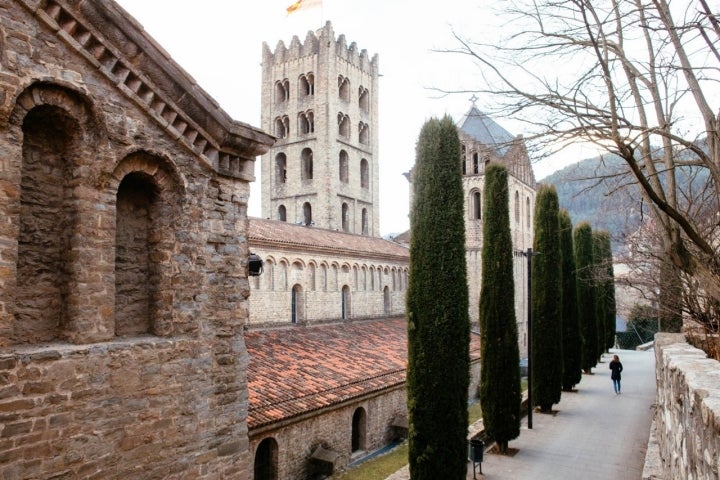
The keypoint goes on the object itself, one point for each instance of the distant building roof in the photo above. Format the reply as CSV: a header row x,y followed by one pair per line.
x,y
288,235
300,369
483,129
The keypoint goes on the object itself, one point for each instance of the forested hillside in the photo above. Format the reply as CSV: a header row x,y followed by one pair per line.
x,y
599,191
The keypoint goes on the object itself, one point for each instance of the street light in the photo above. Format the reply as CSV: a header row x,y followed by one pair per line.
x,y
528,255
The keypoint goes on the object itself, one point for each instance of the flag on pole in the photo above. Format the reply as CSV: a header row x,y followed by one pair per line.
x,y
304,5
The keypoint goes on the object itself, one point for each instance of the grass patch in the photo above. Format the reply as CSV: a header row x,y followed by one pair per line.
x,y
474,412
378,468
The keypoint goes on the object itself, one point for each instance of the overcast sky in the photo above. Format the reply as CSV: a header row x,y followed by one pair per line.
x,y
220,45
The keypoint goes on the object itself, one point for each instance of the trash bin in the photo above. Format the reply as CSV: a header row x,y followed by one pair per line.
x,y
477,447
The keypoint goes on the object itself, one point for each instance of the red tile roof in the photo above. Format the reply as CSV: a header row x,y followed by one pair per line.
x,y
300,369
288,235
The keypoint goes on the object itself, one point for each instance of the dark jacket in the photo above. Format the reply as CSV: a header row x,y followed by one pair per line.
x,y
616,368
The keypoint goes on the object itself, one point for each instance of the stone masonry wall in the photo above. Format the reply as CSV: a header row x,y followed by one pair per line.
x,y
113,410
688,413
321,287
333,430
123,255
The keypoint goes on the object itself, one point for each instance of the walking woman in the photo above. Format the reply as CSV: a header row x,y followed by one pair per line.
x,y
616,368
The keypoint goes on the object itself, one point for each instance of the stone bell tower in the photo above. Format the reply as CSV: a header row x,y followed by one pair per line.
x,y
320,100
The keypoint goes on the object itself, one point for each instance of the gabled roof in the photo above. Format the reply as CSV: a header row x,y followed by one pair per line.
x,y
484,130
277,234
300,369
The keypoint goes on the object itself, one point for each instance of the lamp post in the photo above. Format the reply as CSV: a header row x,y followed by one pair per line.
x,y
529,255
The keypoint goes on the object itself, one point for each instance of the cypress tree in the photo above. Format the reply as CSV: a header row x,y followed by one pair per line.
x,y
500,369
599,292
607,277
582,238
546,303
571,338
437,308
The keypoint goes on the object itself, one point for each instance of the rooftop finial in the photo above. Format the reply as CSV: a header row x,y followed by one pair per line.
x,y
473,99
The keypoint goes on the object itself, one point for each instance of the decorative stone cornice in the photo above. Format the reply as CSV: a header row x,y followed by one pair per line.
x,y
143,71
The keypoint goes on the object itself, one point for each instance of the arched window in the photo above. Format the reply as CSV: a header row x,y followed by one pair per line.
x,y
282,91
303,127
345,302
343,125
364,99
282,283
307,213
517,207
345,217
363,133
310,121
386,300
365,228
266,460
282,213
334,278
364,174
282,126
358,430
372,278
307,84
311,277
344,88
136,206
269,273
306,160
476,206
476,163
344,167
527,212
280,168
306,122
296,307
324,277
463,154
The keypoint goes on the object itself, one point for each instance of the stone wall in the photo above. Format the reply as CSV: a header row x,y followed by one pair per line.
x,y
376,288
123,254
688,410
333,430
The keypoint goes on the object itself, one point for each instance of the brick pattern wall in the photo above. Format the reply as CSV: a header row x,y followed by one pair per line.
x,y
688,413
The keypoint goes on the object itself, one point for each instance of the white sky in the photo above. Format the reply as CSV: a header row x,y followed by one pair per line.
x,y
220,45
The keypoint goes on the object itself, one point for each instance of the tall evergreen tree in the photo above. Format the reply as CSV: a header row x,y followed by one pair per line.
x,y
546,303
500,369
571,337
607,277
599,290
438,324
582,239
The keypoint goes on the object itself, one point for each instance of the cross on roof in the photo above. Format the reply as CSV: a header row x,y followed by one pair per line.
x,y
473,99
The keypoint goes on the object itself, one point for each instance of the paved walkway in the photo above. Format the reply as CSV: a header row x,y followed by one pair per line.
x,y
595,434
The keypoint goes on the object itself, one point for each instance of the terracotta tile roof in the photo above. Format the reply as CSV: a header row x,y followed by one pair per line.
x,y
300,369
288,235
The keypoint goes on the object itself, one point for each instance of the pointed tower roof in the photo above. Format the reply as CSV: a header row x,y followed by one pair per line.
x,y
484,130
